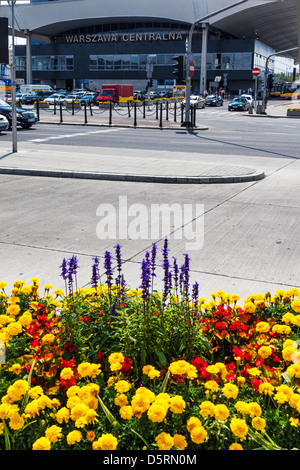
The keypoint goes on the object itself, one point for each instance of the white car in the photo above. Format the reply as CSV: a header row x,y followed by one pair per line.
x,y
248,98
55,98
196,100
4,124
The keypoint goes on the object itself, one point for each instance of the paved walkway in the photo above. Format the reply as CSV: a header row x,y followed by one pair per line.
x,y
63,162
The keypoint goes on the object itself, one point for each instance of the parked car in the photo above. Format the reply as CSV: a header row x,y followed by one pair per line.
x,y
5,96
4,124
239,104
19,97
32,98
214,100
55,98
196,100
89,98
69,98
25,118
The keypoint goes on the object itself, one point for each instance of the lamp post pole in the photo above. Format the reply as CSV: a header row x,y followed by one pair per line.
x,y
189,55
13,80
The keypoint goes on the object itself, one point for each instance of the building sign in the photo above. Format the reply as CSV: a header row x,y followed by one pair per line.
x,y
124,37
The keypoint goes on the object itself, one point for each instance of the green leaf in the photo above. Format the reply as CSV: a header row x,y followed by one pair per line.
x,y
162,358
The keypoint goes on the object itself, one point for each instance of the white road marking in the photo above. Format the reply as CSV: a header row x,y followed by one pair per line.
x,y
66,136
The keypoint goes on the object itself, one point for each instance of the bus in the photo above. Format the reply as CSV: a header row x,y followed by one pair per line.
x,y
291,91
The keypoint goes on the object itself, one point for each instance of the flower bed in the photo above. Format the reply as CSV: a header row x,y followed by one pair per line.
x,y
109,367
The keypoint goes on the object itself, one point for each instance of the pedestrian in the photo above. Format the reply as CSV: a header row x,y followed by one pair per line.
x,y
250,91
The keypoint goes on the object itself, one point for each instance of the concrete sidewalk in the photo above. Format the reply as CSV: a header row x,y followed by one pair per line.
x,y
121,165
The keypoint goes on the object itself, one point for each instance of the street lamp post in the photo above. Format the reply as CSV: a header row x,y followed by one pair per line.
x,y
13,79
189,55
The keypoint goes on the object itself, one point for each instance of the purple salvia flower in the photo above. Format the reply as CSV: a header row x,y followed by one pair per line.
x,y
146,276
119,263
166,268
72,272
195,293
108,268
176,274
96,272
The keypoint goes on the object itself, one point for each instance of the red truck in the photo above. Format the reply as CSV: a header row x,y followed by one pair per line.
x,y
115,93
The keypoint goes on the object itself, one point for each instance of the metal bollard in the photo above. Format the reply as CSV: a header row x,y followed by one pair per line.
x,y
72,107
85,114
134,118
110,113
160,118
175,109
38,109
167,110
60,112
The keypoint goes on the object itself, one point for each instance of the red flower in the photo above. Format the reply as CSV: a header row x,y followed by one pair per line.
x,y
126,365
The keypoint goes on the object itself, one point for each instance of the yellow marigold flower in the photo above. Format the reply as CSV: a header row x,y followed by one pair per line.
x,y
266,388
287,353
265,352
140,404
66,373
259,423
281,329
3,284
116,361
59,292
198,434
242,407
286,390
106,442
48,338
287,317
294,422
230,390
122,386
212,385
222,369
221,412
41,444
239,428
212,369
177,404
294,400
145,392
90,435
14,328
262,327
280,397
16,369
235,446
179,441
25,319
53,433
192,423
13,310
164,441
78,411
72,391
16,391
81,422
73,437
207,409
249,307
254,371
296,320
86,369
4,319
16,421
241,381
32,409
296,306
254,409
121,400
63,415
294,370
126,412
156,413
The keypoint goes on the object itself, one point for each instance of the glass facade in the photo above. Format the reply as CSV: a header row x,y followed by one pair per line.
x,y
226,61
45,62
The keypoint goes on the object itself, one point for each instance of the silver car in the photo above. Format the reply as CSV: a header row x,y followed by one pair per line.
x,y
4,124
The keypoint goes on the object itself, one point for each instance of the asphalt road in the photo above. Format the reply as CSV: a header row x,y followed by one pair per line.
x,y
228,133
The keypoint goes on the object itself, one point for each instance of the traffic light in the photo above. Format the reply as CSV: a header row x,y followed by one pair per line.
x,y
270,81
178,68
4,57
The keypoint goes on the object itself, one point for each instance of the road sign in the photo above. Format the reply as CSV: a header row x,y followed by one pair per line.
x,y
256,71
192,68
